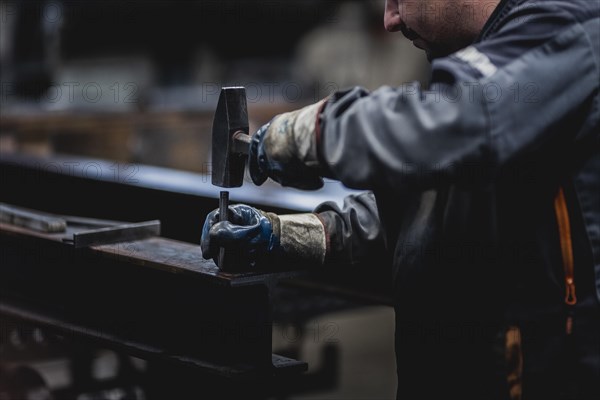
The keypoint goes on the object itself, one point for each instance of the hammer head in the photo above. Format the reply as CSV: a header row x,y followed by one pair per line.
x,y
231,117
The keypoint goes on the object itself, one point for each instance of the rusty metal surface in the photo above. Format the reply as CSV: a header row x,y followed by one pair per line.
x,y
162,254
184,258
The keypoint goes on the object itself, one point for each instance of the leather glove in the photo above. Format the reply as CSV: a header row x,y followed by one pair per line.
x,y
285,150
256,237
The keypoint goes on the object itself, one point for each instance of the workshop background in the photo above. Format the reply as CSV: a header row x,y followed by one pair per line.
x,y
137,82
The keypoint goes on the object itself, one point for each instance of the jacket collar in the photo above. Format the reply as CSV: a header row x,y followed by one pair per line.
x,y
493,23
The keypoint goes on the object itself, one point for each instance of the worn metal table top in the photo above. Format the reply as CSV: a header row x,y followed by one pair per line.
x,y
162,254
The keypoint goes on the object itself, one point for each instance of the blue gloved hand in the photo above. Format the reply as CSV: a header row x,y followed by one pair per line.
x,y
285,150
248,234
255,237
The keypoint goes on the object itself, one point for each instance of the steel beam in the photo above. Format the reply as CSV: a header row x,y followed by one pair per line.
x,y
155,298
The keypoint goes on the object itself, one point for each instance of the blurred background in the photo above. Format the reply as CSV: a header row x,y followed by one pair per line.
x,y
138,82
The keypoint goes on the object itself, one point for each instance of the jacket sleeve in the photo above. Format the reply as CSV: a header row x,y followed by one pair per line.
x,y
354,232
510,96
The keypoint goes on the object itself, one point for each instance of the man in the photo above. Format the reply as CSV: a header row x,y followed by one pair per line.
x,y
485,194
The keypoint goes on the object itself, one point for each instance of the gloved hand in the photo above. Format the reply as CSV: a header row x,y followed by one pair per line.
x,y
256,237
248,233
285,150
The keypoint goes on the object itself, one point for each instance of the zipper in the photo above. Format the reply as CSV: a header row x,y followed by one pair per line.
x,y
566,247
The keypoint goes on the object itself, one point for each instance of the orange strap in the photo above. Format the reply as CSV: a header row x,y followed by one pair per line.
x,y
566,245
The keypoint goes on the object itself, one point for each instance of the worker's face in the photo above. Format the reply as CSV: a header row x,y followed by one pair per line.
x,y
439,27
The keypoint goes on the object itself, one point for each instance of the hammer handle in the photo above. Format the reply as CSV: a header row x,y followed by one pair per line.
x,y
223,216
241,142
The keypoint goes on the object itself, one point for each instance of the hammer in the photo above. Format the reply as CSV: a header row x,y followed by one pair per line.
x,y
230,144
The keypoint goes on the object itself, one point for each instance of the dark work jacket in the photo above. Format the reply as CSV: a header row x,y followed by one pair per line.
x,y
463,180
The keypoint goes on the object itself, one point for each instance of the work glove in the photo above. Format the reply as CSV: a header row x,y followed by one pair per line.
x,y
285,150
256,238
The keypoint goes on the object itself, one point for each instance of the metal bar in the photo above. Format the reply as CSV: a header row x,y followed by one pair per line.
x,y
30,219
91,222
116,234
223,216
